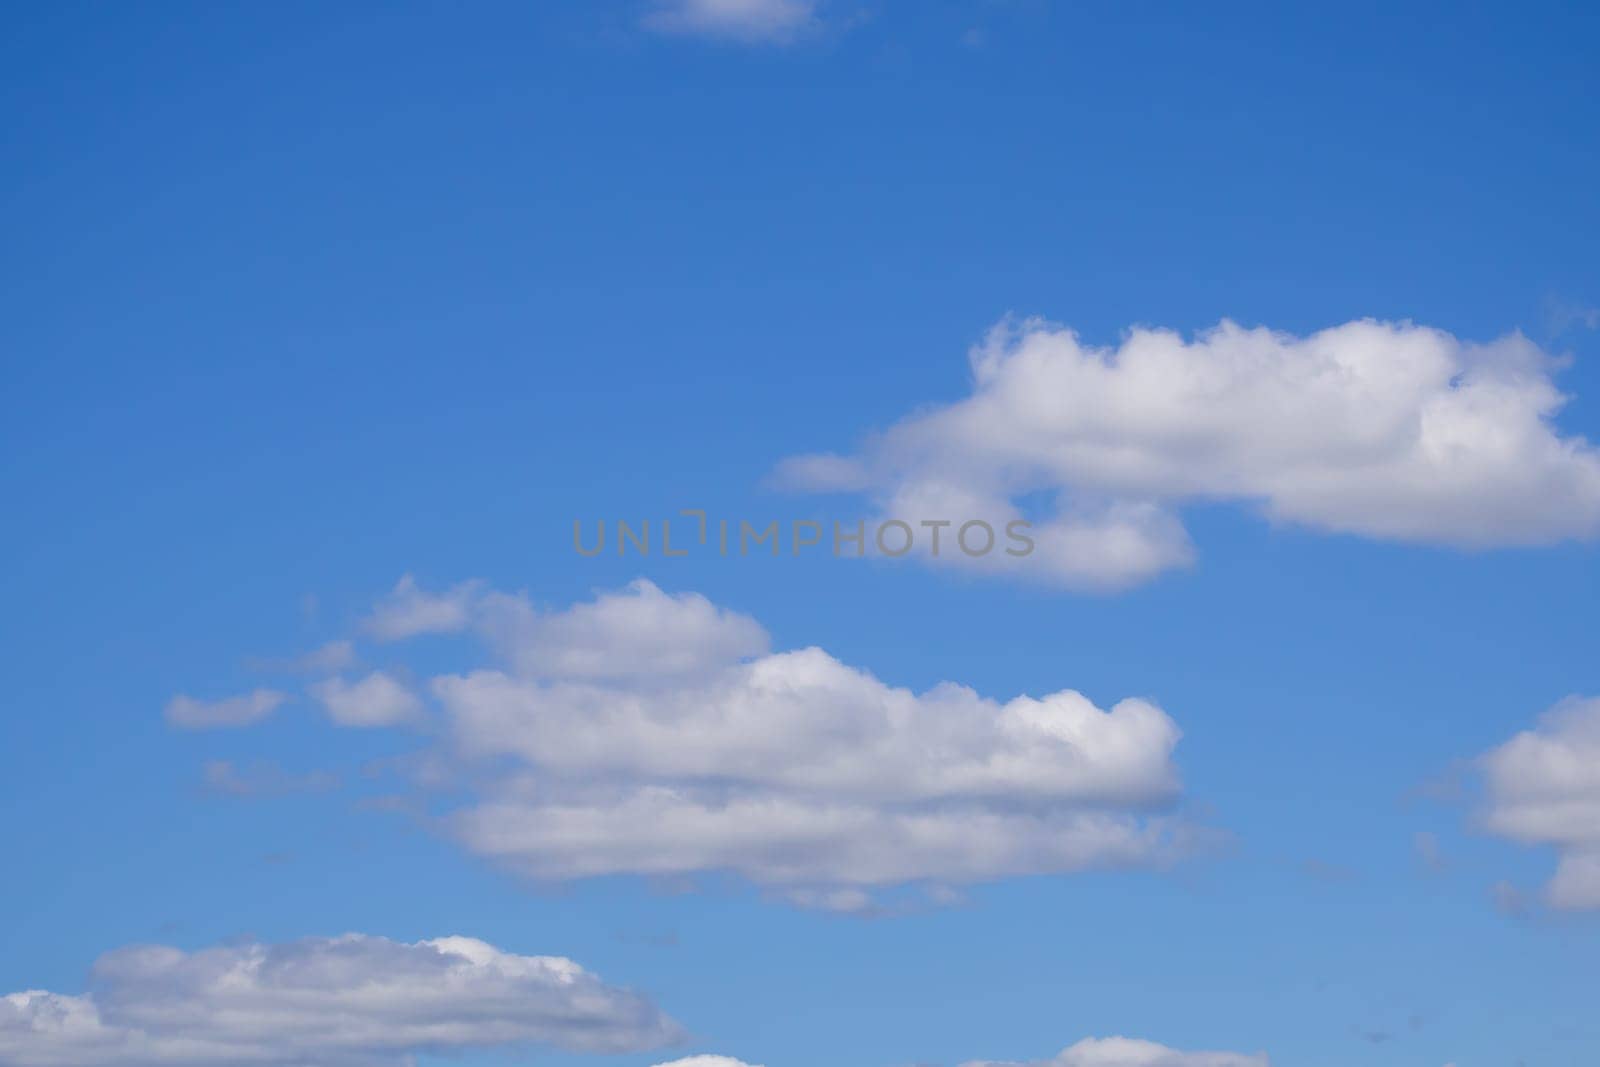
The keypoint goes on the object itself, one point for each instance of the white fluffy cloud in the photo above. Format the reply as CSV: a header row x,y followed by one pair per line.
x,y
1127,1052
708,1061
188,713
1543,788
649,734
748,21
1385,430
653,734
352,1001
379,699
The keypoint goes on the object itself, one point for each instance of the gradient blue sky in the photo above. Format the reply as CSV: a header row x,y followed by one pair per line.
x,y
301,298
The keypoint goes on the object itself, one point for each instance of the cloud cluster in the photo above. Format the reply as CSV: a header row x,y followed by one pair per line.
x,y
1127,1052
744,21
352,1001
646,733
653,734
1543,788
1385,430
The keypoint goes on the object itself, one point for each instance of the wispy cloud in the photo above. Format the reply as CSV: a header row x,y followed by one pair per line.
x,y
333,656
187,713
1562,316
744,21
262,779
1430,854
407,611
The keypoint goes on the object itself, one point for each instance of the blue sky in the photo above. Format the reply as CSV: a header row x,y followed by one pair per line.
x,y
300,300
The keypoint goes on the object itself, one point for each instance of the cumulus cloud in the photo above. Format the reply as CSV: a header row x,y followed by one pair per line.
x,y
657,734
745,21
708,1061
352,1001
1542,787
1385,430
649,735
376,700
188,713
1127,1052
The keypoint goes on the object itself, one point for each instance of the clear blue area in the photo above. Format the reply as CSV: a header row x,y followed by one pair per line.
x,y
301,297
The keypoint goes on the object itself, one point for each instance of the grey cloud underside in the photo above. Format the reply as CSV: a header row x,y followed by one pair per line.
x,y
1385,430
353,1001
